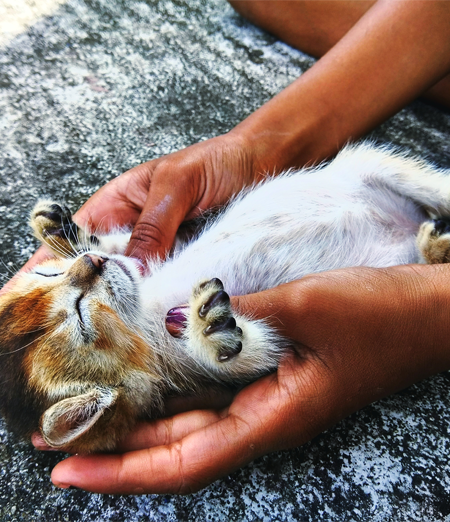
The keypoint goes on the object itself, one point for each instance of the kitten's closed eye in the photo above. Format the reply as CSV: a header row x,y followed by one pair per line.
x,y
49,270
48,274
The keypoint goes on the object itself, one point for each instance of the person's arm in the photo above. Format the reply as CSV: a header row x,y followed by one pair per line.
x,y
395,51
361,334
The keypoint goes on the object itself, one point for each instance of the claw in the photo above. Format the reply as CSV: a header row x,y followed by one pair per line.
x,y
228,324
226,355
442,225
220,319
220,297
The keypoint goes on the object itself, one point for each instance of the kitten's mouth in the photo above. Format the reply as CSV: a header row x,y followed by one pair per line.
x,y
81,322
78,309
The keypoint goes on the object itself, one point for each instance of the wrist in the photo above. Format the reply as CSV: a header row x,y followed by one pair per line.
x,y
289,130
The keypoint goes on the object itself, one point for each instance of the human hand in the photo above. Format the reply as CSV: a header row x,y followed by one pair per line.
x,y
358,334
157,196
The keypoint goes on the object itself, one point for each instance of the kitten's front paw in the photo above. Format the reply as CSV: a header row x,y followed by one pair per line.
x,y
211,321
50,218
228,345
433,241
53,225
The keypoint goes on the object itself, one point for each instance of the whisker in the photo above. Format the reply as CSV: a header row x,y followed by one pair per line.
x,y
99,225
69,242
8,268
64,252
26,346
49,239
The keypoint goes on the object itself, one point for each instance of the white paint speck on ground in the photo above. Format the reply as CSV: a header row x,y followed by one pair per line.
x,y
17,15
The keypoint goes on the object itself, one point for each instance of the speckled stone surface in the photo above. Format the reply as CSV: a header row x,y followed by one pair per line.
x,y
106,84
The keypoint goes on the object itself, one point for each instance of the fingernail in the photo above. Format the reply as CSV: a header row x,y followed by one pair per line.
x,y
62,486
176,320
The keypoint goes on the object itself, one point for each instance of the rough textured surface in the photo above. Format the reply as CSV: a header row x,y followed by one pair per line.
x,y
106,84
17,15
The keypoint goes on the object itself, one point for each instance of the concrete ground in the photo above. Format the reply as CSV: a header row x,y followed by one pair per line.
x,y
94,87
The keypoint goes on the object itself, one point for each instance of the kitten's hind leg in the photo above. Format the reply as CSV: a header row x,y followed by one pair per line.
x,y
229,345
53,225
433,241
411,177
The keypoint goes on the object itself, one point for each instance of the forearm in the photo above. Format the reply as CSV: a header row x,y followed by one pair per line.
x,y
395,52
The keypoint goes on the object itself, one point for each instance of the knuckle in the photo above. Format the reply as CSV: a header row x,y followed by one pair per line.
x,y
187,480
307,296
148,233
176,451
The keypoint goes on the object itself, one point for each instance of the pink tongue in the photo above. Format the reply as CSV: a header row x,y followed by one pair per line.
x,y
176,320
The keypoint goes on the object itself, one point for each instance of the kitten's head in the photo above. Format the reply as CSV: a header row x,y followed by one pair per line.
x,y
72,361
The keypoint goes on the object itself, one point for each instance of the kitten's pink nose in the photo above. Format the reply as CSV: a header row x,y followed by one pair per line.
x,y
97,261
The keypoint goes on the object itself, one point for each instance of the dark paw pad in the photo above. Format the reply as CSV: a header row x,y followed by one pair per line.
x,y
217,299
68,232
225,354
61,216
59,223
220,323
441,226
214,283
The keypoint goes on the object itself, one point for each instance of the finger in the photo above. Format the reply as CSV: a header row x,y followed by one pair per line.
x,y
211,399
96,214
181,467
41,254
119,202
280,306
156,433
259,420
166,207
221,443
109,208
167,431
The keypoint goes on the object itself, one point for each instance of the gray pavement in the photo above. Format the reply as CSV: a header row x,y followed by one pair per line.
x,y
103,85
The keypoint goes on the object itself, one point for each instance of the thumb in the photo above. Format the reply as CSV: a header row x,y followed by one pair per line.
x,y
258,305
276,305
165,209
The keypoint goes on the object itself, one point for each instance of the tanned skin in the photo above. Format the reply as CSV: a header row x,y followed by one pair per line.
x,y
369,332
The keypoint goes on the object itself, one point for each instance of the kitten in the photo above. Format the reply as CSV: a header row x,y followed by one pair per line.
x,y
83,339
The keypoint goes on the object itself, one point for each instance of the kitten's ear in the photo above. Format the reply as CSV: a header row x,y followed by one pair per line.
x,y
70,418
